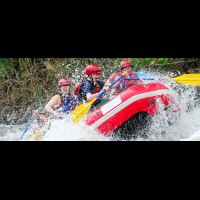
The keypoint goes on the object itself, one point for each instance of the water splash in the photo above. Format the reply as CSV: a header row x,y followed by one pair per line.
x,y
188,126
66,130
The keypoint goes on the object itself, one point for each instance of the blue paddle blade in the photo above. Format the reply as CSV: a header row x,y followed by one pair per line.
x,y
143,75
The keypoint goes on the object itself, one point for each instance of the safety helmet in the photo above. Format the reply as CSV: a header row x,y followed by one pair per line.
x,y
64,81
92,69
125,63
113,76
41,110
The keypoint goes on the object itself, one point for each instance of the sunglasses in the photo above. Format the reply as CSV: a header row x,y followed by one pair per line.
x,y
42,113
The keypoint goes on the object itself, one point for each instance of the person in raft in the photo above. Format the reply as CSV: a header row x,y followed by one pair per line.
x,y
93,86
115,91
61,99
43,119
127,66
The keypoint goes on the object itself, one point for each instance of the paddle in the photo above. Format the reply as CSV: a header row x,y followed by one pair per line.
x,y
37,135
142,79
83,109
27,127
187,79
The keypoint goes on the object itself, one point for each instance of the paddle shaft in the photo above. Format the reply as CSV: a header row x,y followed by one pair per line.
x,y
70,104
187,79
124,79
27,127
109,87
117,81
143,79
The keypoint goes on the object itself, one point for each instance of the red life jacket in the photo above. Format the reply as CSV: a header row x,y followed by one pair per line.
x,y
76,91
98,89
130,83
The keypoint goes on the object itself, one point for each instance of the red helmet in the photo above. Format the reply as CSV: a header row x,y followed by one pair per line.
x,y
113,76
125,63
92,69
64,81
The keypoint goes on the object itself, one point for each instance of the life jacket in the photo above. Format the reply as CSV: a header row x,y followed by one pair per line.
x,y
65,100
127,84
94,89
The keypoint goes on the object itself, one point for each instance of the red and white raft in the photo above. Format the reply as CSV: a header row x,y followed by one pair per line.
x,y
134,100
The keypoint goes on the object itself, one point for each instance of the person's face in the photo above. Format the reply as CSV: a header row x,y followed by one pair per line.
x,y
95,77
128,70
65,89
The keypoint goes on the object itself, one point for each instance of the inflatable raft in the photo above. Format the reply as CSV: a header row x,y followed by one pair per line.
x,y
142,101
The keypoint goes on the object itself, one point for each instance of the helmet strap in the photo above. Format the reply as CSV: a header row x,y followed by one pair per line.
x,y
94,83
90,78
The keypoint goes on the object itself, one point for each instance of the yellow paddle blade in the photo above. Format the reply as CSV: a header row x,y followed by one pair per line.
x,y
188,79
81,111
36,136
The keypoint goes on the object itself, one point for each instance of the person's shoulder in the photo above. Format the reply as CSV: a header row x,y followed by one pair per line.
x,y
87,83
56,96
100,82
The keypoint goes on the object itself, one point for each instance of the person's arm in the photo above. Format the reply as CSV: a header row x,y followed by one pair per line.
x,y
107,84
35,112
165,79
54,101
90,96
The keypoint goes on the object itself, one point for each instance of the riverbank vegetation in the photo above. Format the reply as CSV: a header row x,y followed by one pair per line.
x,y
26,81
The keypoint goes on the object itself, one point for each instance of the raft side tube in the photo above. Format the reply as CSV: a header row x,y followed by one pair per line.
x,y
136,99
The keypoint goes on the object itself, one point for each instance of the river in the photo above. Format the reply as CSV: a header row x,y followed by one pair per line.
x,y
186,129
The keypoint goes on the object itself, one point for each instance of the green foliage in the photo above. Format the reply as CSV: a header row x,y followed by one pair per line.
x,y
165,60
22,61
5,64
116,63
39,95
148,61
